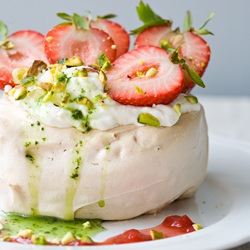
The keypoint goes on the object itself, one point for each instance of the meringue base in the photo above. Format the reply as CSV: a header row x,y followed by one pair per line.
x,y
116,174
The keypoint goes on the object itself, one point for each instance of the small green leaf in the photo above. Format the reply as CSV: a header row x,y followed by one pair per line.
x,y
64,16
4,32
203,32
194,76
150,24
187,21
81,22
103,62
108,16
212,14
148,17
145,13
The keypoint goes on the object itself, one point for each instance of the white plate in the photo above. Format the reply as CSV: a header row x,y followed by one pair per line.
x,y
221,205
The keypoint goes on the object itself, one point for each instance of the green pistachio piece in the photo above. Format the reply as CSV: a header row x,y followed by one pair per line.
x,y
148,119
25,233
59,87
18,74
191,99
84,101
67,238
151,72
177,108
102,77
38,240
156,235
47,86
65,98
28,81
80,73
36,68
86,239
73,61
19,93
139,90
197,226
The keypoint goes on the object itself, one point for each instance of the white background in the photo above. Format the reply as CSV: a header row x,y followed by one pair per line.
x,y
228,72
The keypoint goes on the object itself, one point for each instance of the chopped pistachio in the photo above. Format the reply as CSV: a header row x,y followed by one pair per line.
x,y
191,99
84,101
65,98
86,239
59,87
197,226
36,68
45,85
73,61
67,238
80,73
102,77
151,72
25,233
101,203
7,45
39,239
140,74
18,74
177,108
139,90
28,81
86,224
20,93
148,119
156,235
165,44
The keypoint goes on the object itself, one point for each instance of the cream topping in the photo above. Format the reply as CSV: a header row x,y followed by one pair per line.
x,y
87,105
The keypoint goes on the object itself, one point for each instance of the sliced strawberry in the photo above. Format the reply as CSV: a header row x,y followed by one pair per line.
x,y
27,47
193,48
144,76
154,35
116,31
66,41
196,53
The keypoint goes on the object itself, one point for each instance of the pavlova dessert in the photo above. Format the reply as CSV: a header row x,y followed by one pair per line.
x,y
90,129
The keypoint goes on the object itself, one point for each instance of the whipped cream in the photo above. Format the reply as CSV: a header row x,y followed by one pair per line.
x,y
88,106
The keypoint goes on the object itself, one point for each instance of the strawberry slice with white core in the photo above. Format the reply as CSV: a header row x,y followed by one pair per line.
x,y
193,48
143,77
116,31
28,45
66,41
